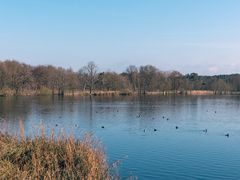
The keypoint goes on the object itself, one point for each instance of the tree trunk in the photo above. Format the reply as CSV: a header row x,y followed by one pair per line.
x,y
90,90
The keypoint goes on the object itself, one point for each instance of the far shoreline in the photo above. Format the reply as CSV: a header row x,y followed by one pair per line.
x,y
118,93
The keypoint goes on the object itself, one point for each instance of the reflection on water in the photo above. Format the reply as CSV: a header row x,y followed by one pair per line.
x,y
186,152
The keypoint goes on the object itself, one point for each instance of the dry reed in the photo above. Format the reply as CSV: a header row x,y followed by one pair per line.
x,y
44,157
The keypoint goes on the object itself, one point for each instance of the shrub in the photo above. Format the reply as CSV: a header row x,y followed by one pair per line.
x,y
50,158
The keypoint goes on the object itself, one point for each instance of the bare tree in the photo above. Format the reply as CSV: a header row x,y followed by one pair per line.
x,y
148,78
133,76
61,80
114,81
176,79
82,78
3,77
18,75
91,70
220,86
72,80
41,76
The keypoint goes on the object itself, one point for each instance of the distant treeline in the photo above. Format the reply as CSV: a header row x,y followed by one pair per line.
x,y
17,77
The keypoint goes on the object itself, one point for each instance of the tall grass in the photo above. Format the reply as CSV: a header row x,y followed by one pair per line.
x,y
44,157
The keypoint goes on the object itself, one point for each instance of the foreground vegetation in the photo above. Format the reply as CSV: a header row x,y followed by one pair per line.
x,y
49,158
18,78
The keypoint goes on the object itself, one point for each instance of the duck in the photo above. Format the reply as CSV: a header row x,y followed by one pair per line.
x,y
155,130
103,127
227,135
205,130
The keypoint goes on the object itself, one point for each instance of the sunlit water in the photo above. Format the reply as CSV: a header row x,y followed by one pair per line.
x,y
167,153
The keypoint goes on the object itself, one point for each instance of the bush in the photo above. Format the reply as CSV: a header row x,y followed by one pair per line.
x,y
6,92
50,158
44,91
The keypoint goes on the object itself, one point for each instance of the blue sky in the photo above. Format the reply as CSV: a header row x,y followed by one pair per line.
x,y
200,36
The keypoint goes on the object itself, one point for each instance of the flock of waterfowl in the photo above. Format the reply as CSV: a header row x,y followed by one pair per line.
x,y
176,127
138,116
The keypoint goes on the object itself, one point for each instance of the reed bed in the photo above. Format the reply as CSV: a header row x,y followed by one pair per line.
x,y
44,157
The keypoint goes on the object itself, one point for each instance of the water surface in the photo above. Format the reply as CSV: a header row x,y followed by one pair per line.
x,y
128,135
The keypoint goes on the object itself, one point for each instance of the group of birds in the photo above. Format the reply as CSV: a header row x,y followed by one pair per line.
x,y
139,115
176,127
163,117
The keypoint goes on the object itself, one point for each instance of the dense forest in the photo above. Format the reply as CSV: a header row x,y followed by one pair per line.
x,y
16,78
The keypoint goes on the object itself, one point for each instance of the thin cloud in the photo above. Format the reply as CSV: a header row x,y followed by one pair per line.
x,y
224,68
213,69
218,45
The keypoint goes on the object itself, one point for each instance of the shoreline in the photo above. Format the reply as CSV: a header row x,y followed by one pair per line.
x,y
119,93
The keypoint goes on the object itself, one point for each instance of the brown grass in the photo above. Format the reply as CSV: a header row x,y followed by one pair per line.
x,y
50,158
200,92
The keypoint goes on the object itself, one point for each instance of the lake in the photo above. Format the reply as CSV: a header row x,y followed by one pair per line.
x,y
178,148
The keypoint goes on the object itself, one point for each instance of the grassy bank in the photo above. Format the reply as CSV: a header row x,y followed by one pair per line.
x,y
48,92
48,158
